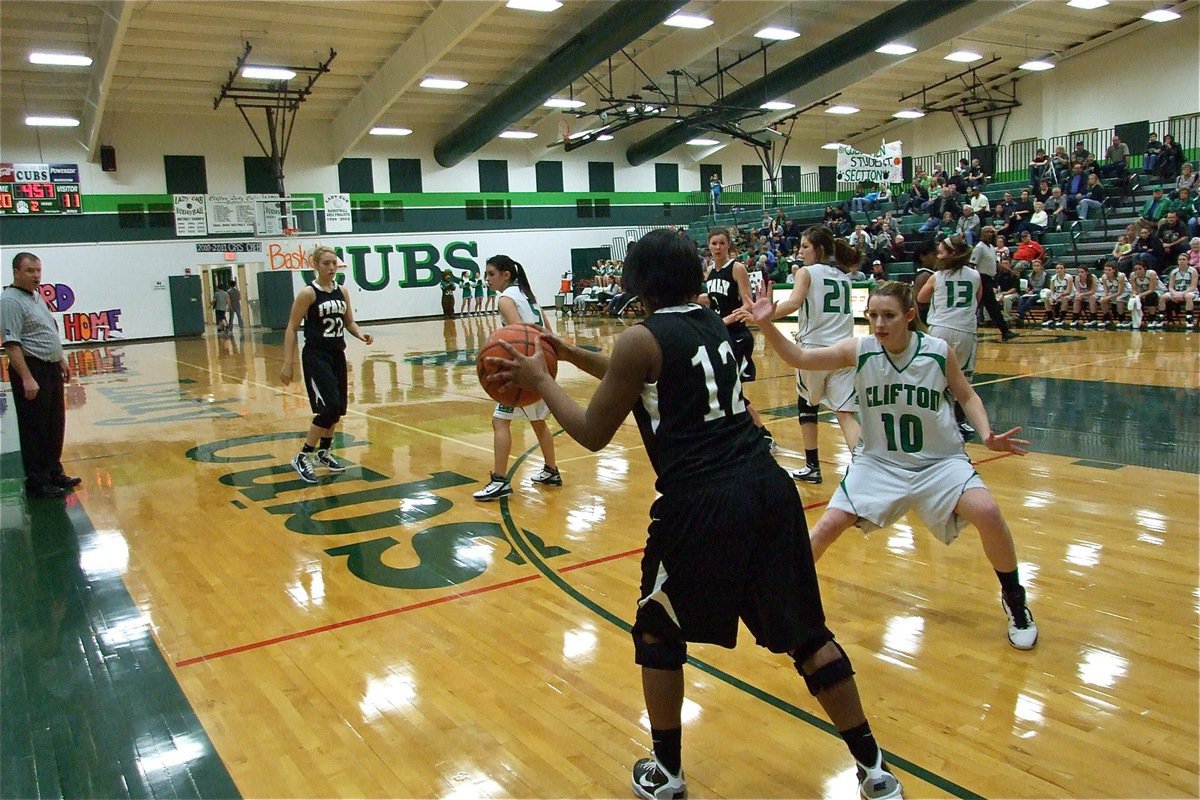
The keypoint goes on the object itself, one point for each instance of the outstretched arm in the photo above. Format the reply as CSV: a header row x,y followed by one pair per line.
x,y
973,407
838,356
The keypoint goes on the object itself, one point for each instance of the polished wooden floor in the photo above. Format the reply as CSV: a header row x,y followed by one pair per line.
x,y
383,635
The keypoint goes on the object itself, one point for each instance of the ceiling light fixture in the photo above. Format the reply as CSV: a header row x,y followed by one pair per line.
x,y
963,56
60,59
563,102
896,49
52,122
263,73
518,135
833,145
443,83
1087,5
1160,15
777,34
688,21
909,113
1037,65
534,5
841,110
381,131
778,105
604,137
703,142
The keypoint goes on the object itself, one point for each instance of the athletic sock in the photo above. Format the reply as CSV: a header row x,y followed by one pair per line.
x,y
668,744
326,443
812,459
1010,583
861,743
308,448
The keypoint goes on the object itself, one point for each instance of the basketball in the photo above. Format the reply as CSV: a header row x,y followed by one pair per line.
x,y
523,338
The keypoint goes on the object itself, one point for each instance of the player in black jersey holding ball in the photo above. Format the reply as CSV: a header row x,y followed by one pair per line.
x,y
323,308
678,373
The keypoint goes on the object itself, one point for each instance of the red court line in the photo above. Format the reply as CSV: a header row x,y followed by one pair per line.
x,y
187,662
613,557
993,458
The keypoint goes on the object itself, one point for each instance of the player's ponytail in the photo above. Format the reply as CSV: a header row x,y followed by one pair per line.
x,y
960,253
847,255
516,274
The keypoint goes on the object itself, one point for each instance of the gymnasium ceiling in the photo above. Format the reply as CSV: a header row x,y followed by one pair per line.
x,y
173,56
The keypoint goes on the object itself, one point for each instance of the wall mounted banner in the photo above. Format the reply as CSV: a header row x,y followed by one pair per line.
x,y
337,213
191,219
883,167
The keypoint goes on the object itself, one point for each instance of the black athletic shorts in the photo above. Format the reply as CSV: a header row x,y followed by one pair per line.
x,y
743,350
325,379
730,549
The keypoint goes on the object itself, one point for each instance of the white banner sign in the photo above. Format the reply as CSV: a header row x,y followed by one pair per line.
x,y
882,167
191,219
230,213
337,213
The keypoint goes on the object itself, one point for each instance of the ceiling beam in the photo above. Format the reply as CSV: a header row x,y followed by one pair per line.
x,y
617,27
836,65
114,22
449,24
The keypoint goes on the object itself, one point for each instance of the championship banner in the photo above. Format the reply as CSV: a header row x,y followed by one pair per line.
x,y
883,167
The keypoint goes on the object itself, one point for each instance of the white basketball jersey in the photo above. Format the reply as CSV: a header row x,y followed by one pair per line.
x,y
827,317
954,304
907,410
525,309
1181,279
1060,284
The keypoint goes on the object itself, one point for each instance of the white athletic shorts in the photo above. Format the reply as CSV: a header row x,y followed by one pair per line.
x,y
879,493
834,388
530,413
962,343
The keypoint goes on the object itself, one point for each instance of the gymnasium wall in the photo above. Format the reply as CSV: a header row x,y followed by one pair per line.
x,y
119,290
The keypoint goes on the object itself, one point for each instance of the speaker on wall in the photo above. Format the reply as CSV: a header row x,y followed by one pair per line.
x,y
108,158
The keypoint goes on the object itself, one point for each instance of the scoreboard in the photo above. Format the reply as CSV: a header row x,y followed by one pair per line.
x,y
40,189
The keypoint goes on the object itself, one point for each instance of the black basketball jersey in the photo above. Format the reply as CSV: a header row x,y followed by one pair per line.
x,y
693,419
325,323
724,294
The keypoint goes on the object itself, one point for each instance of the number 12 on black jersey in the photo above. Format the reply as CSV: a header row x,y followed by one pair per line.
x,y
734,404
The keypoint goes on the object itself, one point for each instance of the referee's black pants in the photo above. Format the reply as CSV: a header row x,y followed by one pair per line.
x,y
992,304
41,423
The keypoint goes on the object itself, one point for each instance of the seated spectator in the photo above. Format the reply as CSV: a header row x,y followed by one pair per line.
x,y
975,176
1122,254
1090,167
1115,158
898,250
1079,154
1113,295
1188,179
1022,210
1061,163
1027,251
860,240
918,195
1180,292
856,274
1170,159
979,201
1194,252
946,202
948,225
1002,215
1058,299
1042,193
1037,289
1056,208
883,198
1173,233
1188,206
858,201
1150,160
968,226
1039,220
1002,248
830,216
878,272
1084,301
1075,186
881,245
1007,288
1147,249
939,173
1093,200
1154,209
1040,168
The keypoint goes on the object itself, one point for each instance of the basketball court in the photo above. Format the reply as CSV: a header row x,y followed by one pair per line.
x,y
197,622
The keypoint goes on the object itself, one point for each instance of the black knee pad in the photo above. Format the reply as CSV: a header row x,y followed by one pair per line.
x,y
668,654
326,420
805,412
827,676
